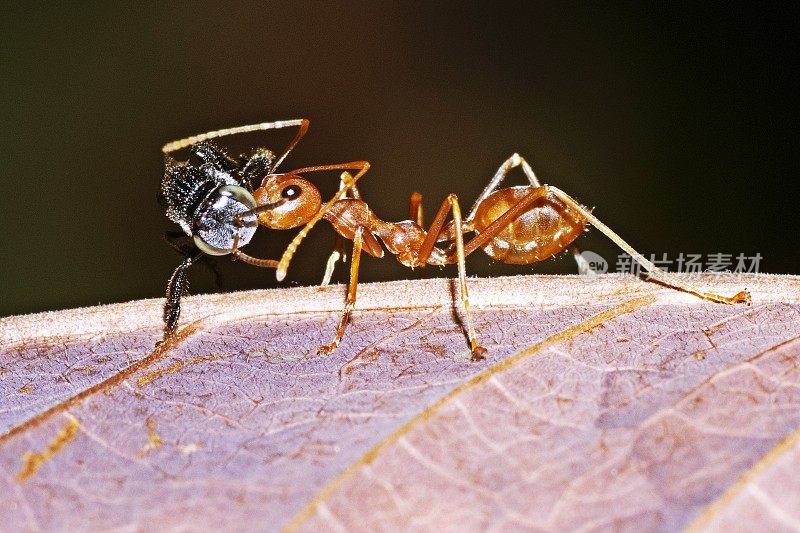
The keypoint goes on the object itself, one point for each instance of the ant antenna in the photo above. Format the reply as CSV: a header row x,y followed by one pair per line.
x,y
174,146
348,181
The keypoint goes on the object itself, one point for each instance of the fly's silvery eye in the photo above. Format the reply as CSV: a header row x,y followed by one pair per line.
x,y
216,220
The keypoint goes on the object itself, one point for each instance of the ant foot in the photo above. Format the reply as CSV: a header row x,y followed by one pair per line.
x,y
742,297
478,353
328,348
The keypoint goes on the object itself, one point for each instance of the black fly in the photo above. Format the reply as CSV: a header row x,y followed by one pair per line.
x,y
210,197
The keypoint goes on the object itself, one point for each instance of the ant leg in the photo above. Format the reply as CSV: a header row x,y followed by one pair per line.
x,y
425,250
176,288
337,254
514,161
362,167
477,351
415,209
416,214
350,301
344,178
493,229
657,273
338,251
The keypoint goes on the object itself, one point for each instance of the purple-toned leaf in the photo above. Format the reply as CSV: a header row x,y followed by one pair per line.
x,y
604,404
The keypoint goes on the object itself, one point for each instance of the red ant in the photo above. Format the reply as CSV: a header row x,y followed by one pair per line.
x,y
517,225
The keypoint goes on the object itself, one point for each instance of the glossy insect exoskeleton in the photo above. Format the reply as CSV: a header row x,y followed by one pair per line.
x,y
203,196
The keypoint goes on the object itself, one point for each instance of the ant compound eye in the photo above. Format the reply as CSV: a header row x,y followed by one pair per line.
x,y
221,216
291,192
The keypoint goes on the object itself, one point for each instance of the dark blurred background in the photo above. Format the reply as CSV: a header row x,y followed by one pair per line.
x,y
678,123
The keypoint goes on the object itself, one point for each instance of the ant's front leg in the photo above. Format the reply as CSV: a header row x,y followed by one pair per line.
x,y
176,288
338,252
350,301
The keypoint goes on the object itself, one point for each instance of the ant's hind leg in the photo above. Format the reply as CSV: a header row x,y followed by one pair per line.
x,y
657,273
478,352
512,162
350,301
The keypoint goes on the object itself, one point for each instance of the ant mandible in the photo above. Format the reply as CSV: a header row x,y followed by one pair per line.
x,y
516,225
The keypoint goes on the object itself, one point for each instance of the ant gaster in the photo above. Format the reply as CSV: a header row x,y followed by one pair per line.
x,y
518,225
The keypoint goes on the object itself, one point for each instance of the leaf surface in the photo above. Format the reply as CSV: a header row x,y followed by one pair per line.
x,y
603,404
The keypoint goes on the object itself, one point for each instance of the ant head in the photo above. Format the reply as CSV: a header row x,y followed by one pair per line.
x,y
295,201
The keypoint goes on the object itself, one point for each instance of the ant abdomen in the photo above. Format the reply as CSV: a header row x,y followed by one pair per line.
x,y
539,233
